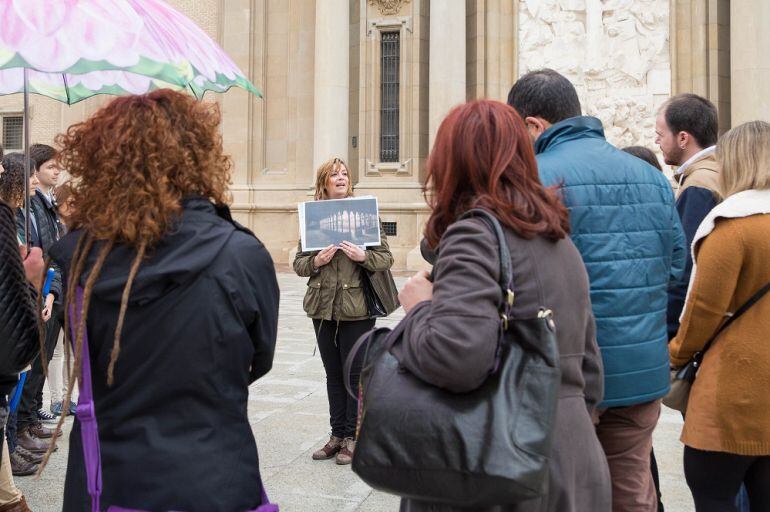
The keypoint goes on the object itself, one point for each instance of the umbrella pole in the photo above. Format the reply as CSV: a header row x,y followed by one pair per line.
x,y
26,158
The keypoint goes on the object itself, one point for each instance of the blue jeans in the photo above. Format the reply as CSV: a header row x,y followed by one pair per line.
x,y
742,501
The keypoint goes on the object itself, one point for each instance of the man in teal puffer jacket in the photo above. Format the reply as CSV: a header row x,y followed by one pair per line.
x,y
625,224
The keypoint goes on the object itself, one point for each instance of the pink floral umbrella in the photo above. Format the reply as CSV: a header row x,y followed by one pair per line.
x,y
70,50
106,40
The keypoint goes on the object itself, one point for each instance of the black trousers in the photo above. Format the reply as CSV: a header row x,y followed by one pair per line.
x,y
335,339
32,394
715,478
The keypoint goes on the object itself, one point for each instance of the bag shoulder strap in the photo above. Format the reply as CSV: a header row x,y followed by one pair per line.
x,y
85,411
738,312
506,269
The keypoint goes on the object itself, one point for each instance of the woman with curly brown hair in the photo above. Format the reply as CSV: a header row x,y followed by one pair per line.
x,y
179,309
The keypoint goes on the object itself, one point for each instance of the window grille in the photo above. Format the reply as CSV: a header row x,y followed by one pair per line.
x,y
13,132
390,228
389,93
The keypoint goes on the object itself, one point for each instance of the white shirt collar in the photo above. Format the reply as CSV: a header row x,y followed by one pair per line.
x,y
703,152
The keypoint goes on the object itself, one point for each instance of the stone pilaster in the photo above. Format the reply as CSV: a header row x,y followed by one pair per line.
x,y
332,87
749,64
446,65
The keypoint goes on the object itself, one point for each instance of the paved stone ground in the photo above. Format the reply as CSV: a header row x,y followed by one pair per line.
x,y
289,413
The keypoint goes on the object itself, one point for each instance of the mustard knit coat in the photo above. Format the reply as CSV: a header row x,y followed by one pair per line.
x,y
729,408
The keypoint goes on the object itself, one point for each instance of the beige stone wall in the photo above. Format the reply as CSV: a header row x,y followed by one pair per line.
x,y
701,52
280,173
750,62
616,53
619,54
491,42
397,185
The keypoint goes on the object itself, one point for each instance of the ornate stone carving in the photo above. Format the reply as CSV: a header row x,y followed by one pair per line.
x,y
615,52
388,7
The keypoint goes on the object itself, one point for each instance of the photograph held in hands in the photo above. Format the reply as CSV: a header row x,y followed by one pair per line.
x,y
333,221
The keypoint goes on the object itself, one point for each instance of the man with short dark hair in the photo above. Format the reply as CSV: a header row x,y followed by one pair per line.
x,y
31,434
686,130
625,226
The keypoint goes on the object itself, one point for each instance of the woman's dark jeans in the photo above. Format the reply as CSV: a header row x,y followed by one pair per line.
x,y
335,339
715,479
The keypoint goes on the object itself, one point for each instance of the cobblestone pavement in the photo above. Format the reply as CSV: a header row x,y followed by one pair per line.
x,y
289,413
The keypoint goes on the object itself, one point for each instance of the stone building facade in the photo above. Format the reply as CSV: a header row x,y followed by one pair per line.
x,y
370,81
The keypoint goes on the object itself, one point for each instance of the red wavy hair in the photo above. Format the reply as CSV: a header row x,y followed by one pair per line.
x,y
483,157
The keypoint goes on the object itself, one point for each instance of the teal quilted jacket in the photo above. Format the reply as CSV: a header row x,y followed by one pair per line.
x,y
625,225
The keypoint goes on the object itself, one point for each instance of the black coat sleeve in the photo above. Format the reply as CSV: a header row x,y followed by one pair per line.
x,y
437,346
693,206
264,330
253,287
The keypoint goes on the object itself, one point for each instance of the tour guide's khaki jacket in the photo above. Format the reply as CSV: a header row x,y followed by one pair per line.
x,y
335,291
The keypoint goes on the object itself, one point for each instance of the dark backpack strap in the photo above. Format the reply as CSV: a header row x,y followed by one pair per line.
x,y
738,312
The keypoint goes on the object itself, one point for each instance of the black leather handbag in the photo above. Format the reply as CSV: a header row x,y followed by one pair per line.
x,y
373,303
19,335
487,447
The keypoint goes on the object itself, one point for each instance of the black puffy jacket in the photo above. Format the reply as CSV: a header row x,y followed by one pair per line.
x,y
19,341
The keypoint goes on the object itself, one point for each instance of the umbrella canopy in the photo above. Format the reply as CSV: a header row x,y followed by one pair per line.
x,y
70,50
74,49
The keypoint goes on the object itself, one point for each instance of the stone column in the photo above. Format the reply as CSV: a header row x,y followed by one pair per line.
x,y
446,66
331,87
749,64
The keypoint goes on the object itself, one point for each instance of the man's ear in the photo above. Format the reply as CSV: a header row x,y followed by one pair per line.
x,y
683,139
536,126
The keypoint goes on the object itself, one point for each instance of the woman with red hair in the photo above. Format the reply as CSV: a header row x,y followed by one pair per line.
x,y
483,158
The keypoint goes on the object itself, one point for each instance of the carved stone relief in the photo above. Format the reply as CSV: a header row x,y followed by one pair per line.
x,y
616,52
388,7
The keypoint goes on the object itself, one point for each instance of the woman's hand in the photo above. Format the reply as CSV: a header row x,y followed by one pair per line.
x,y
354,252
48,307
324,256
417,289
34,266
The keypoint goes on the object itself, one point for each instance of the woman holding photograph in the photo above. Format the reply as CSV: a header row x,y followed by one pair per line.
x,y
336,302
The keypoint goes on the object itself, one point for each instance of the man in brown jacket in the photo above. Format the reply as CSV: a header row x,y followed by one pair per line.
x,y
686,132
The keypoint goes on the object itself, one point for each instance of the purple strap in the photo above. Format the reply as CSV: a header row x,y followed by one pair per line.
x,y
86,413
89,432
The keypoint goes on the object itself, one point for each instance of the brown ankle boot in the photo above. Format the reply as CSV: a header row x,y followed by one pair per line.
x,y
329,449
38,430
19,506
345,456
30,442
21,466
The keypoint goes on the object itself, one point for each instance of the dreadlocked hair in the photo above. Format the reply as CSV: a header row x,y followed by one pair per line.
x,y
122,314
132,164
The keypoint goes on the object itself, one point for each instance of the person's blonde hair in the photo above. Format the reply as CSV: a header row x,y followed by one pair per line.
x,y
322,176
743,154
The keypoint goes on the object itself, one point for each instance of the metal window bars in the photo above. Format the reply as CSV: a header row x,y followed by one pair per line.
x,y
389,96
